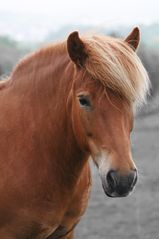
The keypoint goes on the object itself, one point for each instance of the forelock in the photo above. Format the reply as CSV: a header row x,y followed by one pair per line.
x,y
117,66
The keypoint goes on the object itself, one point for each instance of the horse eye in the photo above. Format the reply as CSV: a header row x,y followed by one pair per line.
x,y
84,101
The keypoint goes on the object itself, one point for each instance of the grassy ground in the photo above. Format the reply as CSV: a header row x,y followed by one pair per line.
x,y
137,216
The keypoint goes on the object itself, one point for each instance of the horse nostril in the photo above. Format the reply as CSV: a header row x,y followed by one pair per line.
x,y
111,179
132,178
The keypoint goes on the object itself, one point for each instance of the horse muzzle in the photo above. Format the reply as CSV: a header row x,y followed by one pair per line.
x,y
117,185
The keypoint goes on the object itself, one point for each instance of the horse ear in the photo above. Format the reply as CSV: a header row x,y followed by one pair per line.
x,y
133,38
76,49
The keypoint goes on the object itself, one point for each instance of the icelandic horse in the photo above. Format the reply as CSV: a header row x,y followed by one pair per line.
x,y
59,106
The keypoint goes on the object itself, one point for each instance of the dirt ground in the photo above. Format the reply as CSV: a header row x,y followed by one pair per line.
x,y
137,216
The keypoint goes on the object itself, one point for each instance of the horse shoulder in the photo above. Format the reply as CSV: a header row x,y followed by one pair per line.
x,y
77,205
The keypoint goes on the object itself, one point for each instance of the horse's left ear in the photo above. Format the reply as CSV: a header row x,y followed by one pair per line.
x,y
133,38
76,49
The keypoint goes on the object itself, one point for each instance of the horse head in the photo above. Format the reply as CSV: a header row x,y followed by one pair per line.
x,y
109,81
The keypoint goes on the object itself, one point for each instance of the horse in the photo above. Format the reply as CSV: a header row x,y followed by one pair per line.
x,y
60,106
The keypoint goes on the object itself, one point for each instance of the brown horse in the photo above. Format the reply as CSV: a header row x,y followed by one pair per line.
x,y
61,105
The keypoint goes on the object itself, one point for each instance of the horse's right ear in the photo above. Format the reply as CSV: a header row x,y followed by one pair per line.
x,y
76,49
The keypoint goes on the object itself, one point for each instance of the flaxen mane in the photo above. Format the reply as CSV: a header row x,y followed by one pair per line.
x,y
117,66
111,61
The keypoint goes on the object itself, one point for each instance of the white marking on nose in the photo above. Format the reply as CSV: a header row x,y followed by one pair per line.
x,y
103,162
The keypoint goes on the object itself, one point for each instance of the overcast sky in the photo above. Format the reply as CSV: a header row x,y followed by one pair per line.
x,y
99,12
33,20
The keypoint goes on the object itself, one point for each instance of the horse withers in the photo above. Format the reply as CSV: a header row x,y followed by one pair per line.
x,y
61,105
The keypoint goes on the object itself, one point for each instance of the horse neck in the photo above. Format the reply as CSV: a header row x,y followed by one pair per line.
x,y
47,90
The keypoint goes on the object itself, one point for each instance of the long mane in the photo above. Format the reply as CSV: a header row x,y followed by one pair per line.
x,y
115,64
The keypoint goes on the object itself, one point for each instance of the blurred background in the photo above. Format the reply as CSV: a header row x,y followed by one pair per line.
x,y
29,25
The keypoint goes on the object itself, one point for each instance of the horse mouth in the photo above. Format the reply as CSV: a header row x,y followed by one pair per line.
x,y
114,194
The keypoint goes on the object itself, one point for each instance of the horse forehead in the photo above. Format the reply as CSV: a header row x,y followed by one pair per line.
x,y
110,101
113,110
